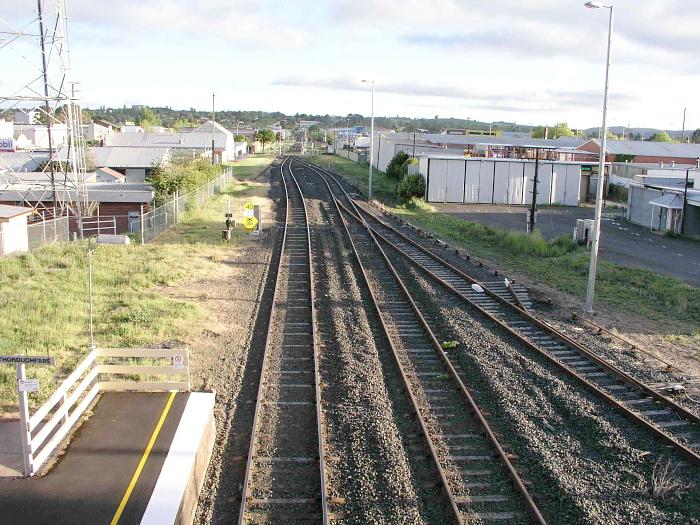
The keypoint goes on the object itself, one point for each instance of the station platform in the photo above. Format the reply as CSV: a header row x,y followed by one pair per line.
x,y
136,459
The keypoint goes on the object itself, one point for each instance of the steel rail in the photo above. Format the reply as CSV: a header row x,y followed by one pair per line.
x,y
567,341
500,452
263,369
245,495
317,375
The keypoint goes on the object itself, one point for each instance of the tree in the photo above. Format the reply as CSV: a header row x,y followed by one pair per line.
x,y
394,168
241,138
411,186
624,157
147,118
661,136
696,136
561,129
265,136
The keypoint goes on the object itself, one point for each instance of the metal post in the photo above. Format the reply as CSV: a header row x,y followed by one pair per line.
x,y
27,454
142,225
213,121
533,206
588,308
685,201
414,145
371,142
683,132
92,338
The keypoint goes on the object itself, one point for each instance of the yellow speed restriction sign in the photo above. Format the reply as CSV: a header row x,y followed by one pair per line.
x,y
250,223
249,209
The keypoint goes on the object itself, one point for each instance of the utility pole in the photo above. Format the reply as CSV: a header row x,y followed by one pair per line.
x,y
213,121
683,132
47,108
533,206
685,200
371,142
590,288
414,144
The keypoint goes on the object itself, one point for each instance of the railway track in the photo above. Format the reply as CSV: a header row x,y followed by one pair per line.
x,y
670,422
285,479
473,468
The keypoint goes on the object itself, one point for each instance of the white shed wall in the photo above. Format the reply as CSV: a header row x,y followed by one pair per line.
x,y
13,236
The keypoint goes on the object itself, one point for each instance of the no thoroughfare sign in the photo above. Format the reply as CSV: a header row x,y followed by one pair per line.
x,y
27,360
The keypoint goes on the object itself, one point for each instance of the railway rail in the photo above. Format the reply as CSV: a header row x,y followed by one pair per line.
x,y
285,477
668,421
473,467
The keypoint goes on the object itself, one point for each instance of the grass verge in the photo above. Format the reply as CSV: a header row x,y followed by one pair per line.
x,y
557,263
43,294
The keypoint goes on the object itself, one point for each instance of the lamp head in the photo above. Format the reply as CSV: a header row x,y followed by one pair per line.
x,y
597,5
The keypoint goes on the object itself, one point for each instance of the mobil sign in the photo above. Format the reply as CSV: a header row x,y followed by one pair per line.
x,y
7,145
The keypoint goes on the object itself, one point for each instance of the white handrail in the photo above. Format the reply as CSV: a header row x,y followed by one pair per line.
x,y
52,421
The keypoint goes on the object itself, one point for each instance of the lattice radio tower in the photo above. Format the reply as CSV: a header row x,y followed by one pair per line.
x,y
36,86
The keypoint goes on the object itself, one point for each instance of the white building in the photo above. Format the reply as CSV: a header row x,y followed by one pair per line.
x,y
130,127
7,129
500,181
96,132
198,141
13,229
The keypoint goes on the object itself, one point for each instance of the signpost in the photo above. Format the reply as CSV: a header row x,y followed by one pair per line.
x,y
25,385
250,223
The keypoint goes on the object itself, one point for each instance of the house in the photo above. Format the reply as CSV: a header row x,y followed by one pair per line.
x,y
197,142
130,127
95,132
135,163
117,203
13,229
638,151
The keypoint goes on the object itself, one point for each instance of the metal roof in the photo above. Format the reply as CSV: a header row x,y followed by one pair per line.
x,y
651,149
115,157
670,200
8,212
96,192
498,159
472,140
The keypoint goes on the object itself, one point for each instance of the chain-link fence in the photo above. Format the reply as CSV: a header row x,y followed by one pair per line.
x,y
48,232
157,220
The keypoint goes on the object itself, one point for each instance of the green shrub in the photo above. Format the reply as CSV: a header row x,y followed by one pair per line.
x,y
394,168
410,186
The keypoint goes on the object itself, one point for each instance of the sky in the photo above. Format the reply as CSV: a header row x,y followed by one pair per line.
x,y
523,61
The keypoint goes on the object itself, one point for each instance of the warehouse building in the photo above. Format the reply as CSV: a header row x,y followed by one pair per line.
x,y
503,181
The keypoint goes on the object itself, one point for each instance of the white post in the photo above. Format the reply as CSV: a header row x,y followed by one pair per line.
x,y
588,308
24,424
142,224
92,338
371,146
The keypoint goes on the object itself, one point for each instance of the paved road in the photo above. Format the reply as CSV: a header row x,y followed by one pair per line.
x,y
621,242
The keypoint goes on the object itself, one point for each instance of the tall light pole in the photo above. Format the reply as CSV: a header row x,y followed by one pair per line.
x,y
371,142
588,309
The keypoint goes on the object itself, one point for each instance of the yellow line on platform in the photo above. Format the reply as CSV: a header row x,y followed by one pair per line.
x,y
144,458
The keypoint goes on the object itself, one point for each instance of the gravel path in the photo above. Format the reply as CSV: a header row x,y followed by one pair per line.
x,y
587,463
230,364
378,469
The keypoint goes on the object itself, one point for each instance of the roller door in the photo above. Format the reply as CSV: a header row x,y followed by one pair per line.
x,y
455,181
486,170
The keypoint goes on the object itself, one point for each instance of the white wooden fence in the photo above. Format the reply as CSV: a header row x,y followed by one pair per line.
x,y
104,369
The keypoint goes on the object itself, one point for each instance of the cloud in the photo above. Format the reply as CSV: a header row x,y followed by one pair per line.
x,y
515,101
244,23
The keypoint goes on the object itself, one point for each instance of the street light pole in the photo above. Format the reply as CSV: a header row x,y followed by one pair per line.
x,y
588,308
371,142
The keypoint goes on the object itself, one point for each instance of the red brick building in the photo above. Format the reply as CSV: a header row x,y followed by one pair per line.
x,y
643,152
